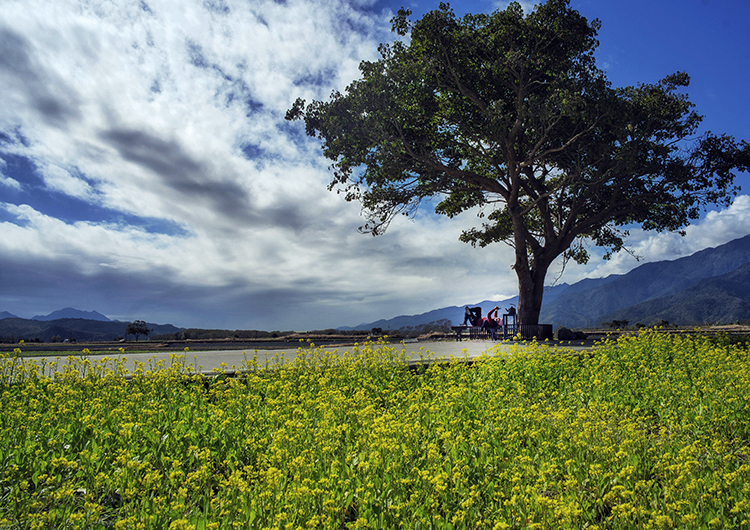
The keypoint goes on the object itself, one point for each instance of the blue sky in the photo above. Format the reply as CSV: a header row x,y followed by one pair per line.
x,y
146,170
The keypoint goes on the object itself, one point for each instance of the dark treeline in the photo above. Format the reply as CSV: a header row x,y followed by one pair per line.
x,y
441,326
245,334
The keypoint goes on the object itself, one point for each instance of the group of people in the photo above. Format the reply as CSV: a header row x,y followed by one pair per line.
x,y
473,317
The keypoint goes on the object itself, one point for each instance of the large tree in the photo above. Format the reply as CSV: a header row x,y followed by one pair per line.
x,y
508,113
137,328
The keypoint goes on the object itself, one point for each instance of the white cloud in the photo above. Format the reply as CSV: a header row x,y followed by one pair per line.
x,y
59,179
5,180
9,182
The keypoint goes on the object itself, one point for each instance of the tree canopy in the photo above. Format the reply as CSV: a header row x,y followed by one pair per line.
x,y
137,328
508,114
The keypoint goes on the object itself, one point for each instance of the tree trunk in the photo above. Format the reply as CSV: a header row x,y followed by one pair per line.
x,y
531,284
530,293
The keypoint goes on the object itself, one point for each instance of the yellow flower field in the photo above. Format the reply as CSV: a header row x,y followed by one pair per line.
x,y
651,431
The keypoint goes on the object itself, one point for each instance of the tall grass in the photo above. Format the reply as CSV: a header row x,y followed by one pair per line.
x,y
648,432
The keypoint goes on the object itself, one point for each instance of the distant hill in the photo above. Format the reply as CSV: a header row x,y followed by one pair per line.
x,y
69,312
723,299
585,307
5,314
70,328
712,285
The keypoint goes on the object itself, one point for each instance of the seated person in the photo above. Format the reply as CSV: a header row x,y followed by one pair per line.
x,y
492,322
472,315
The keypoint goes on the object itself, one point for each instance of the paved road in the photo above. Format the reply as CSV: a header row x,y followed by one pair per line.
x,y
231,360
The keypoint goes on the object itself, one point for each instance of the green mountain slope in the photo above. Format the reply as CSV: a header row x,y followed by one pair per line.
x,y
723,299
589,307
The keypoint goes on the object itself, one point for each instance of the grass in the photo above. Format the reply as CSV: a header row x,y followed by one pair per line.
x,y
649,432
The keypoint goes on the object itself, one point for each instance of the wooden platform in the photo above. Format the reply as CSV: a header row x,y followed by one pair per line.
x,y
474,332
528,332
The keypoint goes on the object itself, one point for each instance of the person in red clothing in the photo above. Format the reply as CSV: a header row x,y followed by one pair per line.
x,y
492,322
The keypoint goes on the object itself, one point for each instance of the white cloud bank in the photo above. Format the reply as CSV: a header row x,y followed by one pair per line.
x,y
176,189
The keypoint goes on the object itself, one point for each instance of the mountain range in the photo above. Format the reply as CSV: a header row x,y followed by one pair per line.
x,y
70,324
69,312
710,286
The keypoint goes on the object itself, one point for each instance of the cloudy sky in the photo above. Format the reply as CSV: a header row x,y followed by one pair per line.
x,y
147,172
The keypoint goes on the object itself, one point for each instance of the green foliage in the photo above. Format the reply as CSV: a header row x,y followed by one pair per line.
x,y
138,328
509,113
651,431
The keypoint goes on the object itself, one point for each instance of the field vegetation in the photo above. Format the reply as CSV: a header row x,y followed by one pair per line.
x,y
651,431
